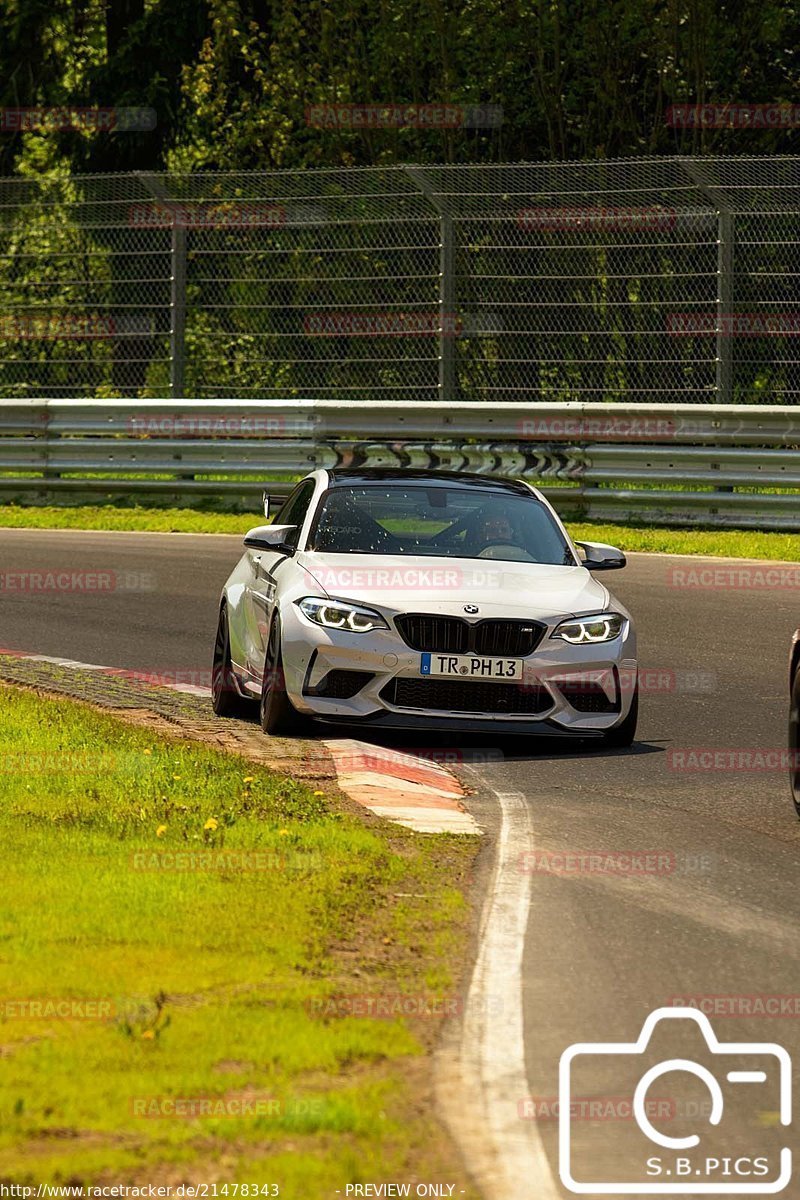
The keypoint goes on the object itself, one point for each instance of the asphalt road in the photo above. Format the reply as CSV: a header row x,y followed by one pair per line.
x,y
713,912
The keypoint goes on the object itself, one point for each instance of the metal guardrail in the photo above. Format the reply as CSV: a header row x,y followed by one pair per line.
x,y
715,465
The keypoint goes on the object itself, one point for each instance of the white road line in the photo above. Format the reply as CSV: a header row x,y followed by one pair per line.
x,y
482,1077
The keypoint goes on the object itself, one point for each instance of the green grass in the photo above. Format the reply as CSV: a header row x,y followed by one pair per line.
x,y
137,519
733,543
210,979
724,543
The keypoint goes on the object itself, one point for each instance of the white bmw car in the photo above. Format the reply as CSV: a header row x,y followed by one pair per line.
x,y
425,600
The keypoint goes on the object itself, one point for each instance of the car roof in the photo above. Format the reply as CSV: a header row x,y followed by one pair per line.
x,y
376,475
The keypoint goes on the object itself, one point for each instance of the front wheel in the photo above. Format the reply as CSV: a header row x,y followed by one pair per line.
x,y
794,740
278,714
622,735
225,698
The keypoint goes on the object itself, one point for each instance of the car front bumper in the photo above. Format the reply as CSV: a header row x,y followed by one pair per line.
x,y
311,653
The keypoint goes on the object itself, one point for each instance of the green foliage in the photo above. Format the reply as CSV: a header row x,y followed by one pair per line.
x,y
232,80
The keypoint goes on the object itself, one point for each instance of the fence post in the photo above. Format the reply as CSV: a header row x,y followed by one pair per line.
x,y
698,173
725,236
46,496
177,308
447,385
177,290
447,308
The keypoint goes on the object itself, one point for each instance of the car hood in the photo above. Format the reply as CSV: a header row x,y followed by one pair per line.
x,y
420,583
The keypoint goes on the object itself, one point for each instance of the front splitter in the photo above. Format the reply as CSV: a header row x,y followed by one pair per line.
x,y
465,725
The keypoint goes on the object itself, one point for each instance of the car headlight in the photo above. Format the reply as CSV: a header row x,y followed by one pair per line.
x,y
603,627
338,614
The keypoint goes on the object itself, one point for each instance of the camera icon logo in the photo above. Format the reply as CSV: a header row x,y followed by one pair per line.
x,y
673,1165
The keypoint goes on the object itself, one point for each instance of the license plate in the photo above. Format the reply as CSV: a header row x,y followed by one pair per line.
x,y
471,666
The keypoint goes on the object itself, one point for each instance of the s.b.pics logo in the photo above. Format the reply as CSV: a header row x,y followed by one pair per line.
x,y
717,1139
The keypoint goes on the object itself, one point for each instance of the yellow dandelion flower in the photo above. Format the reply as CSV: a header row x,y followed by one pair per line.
x,y
249,778
319,793
162,829
148,1034
147,752
177,776
283,833
210,824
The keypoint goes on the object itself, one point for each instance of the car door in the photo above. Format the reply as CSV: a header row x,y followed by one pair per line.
x,y
261,588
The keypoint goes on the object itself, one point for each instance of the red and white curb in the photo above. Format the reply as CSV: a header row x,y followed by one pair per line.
x,y
408,789
151,677
405,788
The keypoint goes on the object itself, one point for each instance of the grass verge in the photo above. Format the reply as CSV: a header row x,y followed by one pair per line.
x,y
129,519
722,543
726,543
183,929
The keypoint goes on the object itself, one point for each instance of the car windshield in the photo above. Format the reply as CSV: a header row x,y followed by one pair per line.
x,y
453,521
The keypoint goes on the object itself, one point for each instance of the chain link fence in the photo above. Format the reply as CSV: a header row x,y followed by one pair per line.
x,y
667,280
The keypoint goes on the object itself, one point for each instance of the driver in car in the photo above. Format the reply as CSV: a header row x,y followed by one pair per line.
x,y
495,529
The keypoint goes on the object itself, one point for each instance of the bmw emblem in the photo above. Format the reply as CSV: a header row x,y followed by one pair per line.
x,y
471,608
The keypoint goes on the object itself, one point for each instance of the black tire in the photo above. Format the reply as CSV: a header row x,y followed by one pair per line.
x,y
794,739
278,714
225,698
622,735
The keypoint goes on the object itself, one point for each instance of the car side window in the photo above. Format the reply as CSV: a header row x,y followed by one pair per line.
x,y
295,509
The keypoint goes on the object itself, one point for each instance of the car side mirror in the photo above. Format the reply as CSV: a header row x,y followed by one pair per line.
x,y
600,557
270,537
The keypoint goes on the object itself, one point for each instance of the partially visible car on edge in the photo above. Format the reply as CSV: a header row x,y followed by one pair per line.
x,y
794,720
